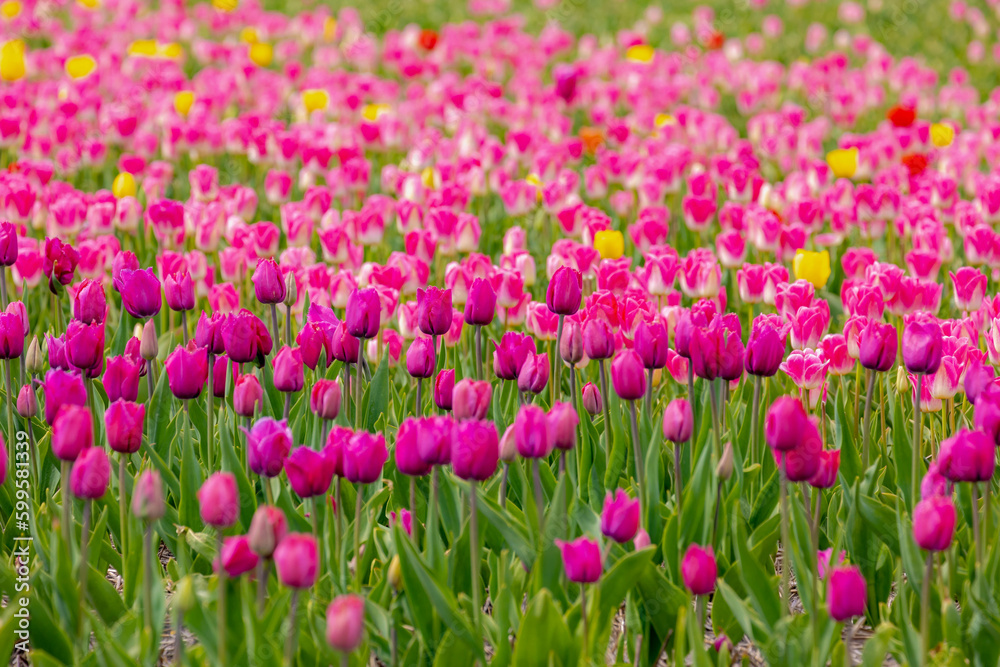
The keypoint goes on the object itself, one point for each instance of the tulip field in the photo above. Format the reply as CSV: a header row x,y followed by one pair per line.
x,y
537,333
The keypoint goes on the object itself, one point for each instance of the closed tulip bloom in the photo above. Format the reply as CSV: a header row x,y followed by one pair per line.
x,y
716,353
364,456
324,399
313,340
236,558
563,420
289,371
62,388
531,433
444,388
481,303
784,424
829,465
620,517
149,346
534,374
970,287
571,343
678,421
84,342
475,449
309,472
27,402
220,368
89,303
509,354
72,432
978,376
878,346
564,292
846,593
56,346
967,456
268,444
8,244
147,497
268,528
344,346
179,290
123,422
345,622
407,452
208,332
12,336
934,523
434,310
297,560
219,500
268,283
187,370
59,262
698,569
420,358
652,344
764,352
140,290
592,401
245,337
434,440
581,560
90,474
922,347
802,463
598,339
471,399
248,395
121,379
628,376
363,313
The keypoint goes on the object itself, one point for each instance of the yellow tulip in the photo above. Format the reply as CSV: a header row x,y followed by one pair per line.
x,y
248,35
142,47
261,54
843,162
942,135
664,119
12,60
80,66
430,178
225,5
372,112
123,186
611,244
10,9
183,101
89,4
315,99
640,53
329,28
170,50
812,266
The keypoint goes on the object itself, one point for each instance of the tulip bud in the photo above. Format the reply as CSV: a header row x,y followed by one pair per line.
x,y
297,560
395,574
219,500
724,469
267,529
291,290
420,358
934,523
72,432
345,622
289,371
620,517
508,445
562,422
592,401
628,376
35,360
531,432
470,399
91,474
185,597
581,559
698,569
248,394
147,498
149,347
641,540
571,344
846,593
475,449
902,381
678,421
325,399
123,422
922,347
27,403
444,388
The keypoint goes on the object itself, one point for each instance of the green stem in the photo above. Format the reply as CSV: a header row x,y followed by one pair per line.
x,y
274,328
293,635
84,566
357,540
122,504
210,415
925,598
147,578
977,543
868,419
539,497
479,352
223,657
557,361
10,403
474,539
917,454
357,388
607,410
786,549
637,449
678,484
67,505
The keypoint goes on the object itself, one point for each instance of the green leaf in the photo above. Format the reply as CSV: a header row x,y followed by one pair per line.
x,y
377,395
543,635
191,480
